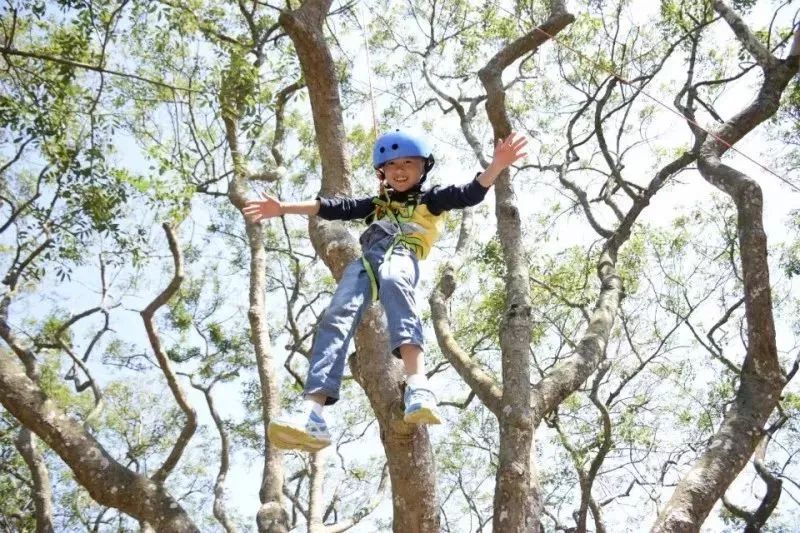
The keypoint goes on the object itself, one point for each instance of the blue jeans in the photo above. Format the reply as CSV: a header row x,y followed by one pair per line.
x,y
397,275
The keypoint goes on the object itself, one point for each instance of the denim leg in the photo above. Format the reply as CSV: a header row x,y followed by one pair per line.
x,y
335,330
398,277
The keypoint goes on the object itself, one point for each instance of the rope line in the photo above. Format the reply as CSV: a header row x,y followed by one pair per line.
x,y
665,106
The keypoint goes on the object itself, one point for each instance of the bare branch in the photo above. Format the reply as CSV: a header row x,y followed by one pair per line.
x,y
163,361
480,382
219,486
42,491
744,35
96,68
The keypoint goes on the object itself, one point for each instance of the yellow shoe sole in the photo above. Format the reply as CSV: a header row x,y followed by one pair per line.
x,y
287,437
423,415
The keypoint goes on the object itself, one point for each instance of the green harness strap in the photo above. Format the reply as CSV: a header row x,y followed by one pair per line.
x,y
373,281
414,243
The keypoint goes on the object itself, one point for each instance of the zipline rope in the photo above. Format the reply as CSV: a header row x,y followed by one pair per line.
x,y
665,106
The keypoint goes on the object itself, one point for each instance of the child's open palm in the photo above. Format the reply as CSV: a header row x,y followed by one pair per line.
x,y
509,150
258,210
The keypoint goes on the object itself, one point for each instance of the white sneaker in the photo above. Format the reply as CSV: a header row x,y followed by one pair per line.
x,y
304,432
420,406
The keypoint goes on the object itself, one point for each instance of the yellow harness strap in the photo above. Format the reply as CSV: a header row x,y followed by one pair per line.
x,y
373,281
413,243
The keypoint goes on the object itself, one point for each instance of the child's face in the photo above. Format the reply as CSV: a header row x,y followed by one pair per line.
x,y
403,173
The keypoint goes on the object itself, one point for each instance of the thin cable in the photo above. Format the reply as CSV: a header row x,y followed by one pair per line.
x,y
665,106
365,32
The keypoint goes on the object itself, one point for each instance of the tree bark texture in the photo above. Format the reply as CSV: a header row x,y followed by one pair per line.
x,y
408,449
42,492
761,378
108,482
316,499
755,521
271,516
517,499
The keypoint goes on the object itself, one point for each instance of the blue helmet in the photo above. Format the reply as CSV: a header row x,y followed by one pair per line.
x,y
401,143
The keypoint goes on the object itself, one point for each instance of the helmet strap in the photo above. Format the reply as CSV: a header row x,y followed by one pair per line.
x,y
429,162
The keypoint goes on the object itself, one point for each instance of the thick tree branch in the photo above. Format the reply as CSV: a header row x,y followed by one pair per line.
x,y
761,378
280,107
517,498
744,35
568,376
271,515
107,481
408,449
479,381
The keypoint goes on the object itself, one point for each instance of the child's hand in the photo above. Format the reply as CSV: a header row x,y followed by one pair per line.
x,y
257,210
508,151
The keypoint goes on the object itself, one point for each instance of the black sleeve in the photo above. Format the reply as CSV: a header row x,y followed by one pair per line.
x,y
440,199
340,208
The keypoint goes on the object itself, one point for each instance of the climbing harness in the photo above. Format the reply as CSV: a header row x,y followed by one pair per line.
x,y
385,209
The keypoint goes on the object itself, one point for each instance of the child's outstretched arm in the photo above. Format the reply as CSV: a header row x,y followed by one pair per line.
x,y
506,152
268,207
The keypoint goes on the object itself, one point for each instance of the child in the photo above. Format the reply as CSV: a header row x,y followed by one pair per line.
x,y
403,223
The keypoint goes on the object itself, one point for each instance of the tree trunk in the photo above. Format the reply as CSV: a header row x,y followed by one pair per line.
x,y
316,505
408,450
271,516
517,497
762,378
